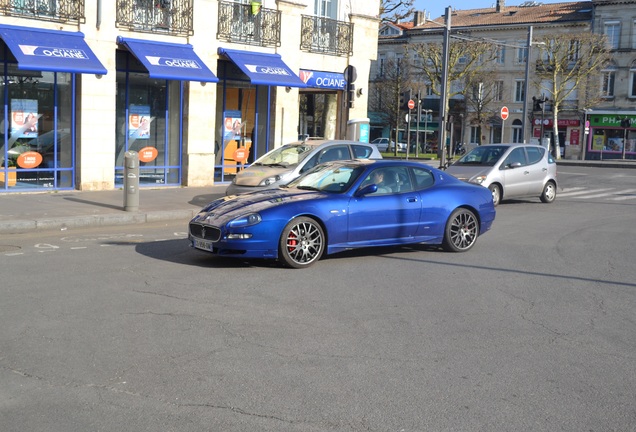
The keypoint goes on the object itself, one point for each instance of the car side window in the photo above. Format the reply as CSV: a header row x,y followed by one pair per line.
x,y
360,151
516,155
534,154
310,163
335,153
423,178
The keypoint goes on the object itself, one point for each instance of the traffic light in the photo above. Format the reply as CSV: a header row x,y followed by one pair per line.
x,y
537,103
625,123
351,94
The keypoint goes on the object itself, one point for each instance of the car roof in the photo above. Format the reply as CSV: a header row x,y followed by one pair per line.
x,y
319,143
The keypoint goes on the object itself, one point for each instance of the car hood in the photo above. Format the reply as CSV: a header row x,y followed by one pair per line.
x,y
225,209
466,172
253,175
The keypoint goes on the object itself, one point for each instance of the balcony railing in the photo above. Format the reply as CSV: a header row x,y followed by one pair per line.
x,y
172,17
63,11
247,24
326,36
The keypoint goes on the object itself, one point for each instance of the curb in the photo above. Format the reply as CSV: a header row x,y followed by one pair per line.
x,y
113,219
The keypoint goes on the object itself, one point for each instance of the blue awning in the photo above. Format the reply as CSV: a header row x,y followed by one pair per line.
x,y
264,69
169,60
50,50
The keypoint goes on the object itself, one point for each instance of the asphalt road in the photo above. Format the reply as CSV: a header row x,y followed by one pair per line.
x,y
127,328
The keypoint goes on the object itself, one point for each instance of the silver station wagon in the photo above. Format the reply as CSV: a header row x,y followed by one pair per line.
x,y
510,171
284,164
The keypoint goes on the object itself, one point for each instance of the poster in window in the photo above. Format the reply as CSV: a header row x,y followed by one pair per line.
x,y
139,121
24,118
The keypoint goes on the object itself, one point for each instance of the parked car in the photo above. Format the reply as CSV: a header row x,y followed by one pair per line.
x,y
285,163
342,205
382,144
401,147
510,171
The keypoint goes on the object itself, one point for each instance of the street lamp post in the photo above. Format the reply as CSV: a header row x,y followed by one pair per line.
x,y
426,113
526,86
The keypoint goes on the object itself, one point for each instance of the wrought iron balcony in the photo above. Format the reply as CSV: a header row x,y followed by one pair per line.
x,y
326,36
174,17
63,11
248,24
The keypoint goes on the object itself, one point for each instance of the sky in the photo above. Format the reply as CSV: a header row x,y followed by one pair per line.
x,y
437,8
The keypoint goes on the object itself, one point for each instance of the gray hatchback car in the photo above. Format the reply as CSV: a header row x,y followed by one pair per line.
x,y
510,171
283,164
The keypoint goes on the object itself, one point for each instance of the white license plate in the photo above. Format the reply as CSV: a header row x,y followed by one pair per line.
x,y
202,244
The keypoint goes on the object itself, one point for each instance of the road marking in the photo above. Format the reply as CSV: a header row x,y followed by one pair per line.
x,y
583,192
624,195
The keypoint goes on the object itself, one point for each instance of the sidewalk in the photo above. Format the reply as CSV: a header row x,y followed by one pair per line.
x,y
23,212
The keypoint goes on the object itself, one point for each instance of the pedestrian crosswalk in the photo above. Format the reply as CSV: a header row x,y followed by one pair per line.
x,y
609,194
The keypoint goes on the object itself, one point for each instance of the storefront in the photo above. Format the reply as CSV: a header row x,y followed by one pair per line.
x,y
319,103
612,135
40,83
245,107
569,135
152,83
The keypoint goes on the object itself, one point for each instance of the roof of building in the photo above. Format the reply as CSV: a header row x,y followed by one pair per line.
x,y
527,13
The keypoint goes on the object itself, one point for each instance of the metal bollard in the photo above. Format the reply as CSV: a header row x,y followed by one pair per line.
x,y
131,181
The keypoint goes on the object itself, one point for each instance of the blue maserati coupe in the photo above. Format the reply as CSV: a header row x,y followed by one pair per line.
x,y
344,205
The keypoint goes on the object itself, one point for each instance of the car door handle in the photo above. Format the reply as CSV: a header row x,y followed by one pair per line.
x,y
544,169
411,199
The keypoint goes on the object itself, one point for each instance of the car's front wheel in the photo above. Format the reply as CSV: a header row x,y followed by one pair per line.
x,y
302,243
549,193
462,230
496,193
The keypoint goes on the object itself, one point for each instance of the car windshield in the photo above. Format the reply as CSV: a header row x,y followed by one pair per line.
x,y
328,177
288,155
486,155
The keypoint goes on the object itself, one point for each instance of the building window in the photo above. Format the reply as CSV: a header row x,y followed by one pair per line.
x,y
634,34
500,56
516,131
521,53
497,91
613,33
520,91
632,80
607,83
474,134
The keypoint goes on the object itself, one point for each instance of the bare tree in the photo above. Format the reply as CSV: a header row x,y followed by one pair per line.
x,y
480,97
467,61
393,82
396,10
570,66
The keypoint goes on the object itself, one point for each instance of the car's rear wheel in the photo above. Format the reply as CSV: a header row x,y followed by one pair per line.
x,y
495,190
549,193
302,243
462,230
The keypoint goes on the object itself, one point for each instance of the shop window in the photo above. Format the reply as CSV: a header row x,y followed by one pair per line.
x,y
147,122
37,151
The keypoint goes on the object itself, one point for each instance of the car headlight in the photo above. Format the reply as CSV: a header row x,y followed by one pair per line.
x,y
479,179
245,221
269,180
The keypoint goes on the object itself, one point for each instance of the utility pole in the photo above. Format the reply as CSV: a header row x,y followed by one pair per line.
x,y
441,148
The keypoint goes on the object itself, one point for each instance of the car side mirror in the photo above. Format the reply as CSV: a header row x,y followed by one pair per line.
x,y
514,165
369,189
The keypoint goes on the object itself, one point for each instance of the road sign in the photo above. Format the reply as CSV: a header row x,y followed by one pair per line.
x,y
504,113
411,104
